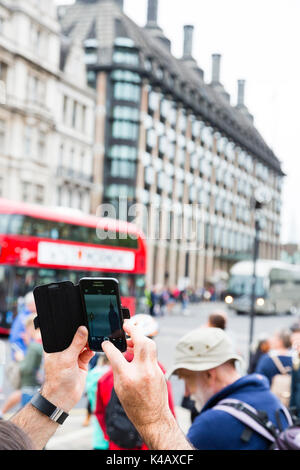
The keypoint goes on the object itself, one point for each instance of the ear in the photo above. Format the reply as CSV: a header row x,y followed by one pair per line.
x,y
210,376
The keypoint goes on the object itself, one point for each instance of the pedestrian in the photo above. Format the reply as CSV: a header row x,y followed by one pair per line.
x,y
276,365
184,302
30,365
18,345
294,404
153,302
93,376
259,349
217,319
110,414
163,301
206,360
16,337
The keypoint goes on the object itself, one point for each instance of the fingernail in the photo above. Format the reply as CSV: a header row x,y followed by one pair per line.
x,y
81,331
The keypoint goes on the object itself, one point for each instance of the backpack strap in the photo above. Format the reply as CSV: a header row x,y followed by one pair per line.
x,y
283,370
256,421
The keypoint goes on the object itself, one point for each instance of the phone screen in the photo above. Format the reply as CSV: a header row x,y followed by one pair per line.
x,y
102,303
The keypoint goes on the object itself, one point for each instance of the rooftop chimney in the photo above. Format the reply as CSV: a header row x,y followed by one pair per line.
x,y
152,13
241,101
241,93
216,67
188,41
120,3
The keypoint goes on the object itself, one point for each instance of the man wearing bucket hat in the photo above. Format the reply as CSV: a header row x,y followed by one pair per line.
x,y
205,359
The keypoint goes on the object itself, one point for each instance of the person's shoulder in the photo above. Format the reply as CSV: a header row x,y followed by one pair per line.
x,y
264,361
208,428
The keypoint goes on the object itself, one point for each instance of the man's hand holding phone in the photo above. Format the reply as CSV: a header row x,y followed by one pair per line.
x,y
141,386
65,372
142,389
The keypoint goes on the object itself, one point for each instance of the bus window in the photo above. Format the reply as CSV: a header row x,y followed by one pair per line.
x,y
242,285
16,224
280,276
3,289
4,221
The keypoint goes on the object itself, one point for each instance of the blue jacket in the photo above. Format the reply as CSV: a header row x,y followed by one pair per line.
x,y
17,330
267,367
218,430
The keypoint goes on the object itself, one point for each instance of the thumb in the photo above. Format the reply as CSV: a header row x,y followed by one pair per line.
x,y
115,357
79,341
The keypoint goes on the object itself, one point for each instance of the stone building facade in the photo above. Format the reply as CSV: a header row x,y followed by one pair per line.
x,y
46,109
186,160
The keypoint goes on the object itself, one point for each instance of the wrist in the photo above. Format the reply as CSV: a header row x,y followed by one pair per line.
x,y
161,427
54,395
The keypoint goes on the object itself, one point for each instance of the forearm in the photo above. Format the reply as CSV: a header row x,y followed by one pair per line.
x,y
36,425
165,435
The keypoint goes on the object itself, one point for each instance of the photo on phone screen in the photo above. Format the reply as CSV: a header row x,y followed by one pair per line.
x,y
102,304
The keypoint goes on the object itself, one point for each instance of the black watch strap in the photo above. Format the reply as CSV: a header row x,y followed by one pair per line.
x,y
48,409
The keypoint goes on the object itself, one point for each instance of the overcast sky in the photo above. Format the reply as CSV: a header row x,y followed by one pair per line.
x,y
259,41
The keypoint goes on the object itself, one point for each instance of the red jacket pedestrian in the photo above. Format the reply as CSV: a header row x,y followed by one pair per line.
x,y
105,386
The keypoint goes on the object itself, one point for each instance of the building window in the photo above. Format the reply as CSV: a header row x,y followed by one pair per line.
x,y
3,72
2,135
1,24
25,191
125,76
39,196
123,152
65,109
126,57
125,130
91,55
153,101
125,112
92,78
151,138
28,141
42,145
123,169
114,191
74,114
127,92
83,118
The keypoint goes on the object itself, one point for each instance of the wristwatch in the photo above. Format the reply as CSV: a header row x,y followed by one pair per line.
x,y
47,408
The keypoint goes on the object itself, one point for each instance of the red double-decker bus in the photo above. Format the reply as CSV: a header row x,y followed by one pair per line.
x,y
40,245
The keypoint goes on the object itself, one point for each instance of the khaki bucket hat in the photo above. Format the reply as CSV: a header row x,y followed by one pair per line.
x,y
203,349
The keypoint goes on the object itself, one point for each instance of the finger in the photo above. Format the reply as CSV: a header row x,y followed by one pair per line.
x,y
79,341
85,358
144,348
115,357
134,332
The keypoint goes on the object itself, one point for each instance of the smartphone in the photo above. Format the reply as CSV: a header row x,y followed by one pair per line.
x,y
102,309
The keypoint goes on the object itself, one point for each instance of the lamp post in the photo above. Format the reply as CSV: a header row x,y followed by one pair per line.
x,y
261,197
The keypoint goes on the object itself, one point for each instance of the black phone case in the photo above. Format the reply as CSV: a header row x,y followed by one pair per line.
x,y
60,313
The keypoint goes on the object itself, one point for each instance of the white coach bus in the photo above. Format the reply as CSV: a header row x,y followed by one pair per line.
x,y
277,289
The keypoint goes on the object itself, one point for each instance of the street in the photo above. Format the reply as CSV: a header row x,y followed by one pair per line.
x,y
73,436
